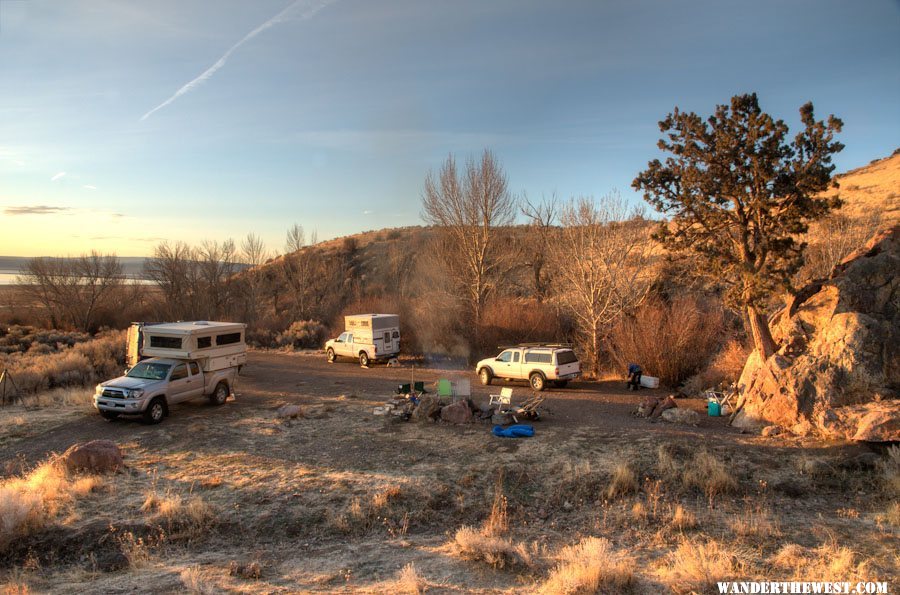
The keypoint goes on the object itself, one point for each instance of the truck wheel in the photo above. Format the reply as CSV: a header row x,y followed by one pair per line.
x,y
155,411
537,381
363,359
485,376
330,355
110,415
220,395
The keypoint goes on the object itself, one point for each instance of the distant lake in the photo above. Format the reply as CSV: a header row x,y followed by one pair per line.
x,y
8,277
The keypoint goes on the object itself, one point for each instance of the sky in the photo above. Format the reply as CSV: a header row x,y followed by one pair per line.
x,y
124,123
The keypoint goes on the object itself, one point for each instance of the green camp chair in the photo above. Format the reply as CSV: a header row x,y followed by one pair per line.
x,y
445,388
403,389
420,387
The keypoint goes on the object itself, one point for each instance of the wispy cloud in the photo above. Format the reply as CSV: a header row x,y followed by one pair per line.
x,y
89,187
58,176
311,10
35,210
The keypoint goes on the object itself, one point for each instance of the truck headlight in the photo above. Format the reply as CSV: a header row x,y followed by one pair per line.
x,y
135,393
98,390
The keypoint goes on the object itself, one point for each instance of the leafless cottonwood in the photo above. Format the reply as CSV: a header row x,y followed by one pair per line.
x,y
72,290
543,218
600,259
253,253
467,208
295,239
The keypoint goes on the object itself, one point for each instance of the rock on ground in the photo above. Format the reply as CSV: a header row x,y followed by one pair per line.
x,y
457,413
96,456
289,411
428,409
681,416
837,368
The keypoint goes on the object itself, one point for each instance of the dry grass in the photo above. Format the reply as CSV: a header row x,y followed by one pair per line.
x,y
890,472
828,560
757,523
667,466
472,544
682,519
623,482
590,566
193,580
29,503
136,549
191,517
724,368
695,566
709,475
408,582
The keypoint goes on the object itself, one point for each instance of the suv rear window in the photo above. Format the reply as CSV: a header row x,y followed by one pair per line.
x,y
538,357
565,357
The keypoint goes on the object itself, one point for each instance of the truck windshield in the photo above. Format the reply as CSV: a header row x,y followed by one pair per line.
x,y
149,371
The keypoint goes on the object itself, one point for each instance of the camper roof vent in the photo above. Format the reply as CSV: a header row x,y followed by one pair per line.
x,y
201,323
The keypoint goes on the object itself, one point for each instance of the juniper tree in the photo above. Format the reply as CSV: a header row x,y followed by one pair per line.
x,y
738,193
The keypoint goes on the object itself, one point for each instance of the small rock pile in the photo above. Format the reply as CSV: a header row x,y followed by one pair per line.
x,y
426,408
666,409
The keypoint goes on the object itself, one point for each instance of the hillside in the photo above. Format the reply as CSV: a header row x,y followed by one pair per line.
x,y
874,188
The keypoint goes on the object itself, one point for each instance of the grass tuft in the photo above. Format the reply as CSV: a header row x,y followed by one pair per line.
x,y
590,566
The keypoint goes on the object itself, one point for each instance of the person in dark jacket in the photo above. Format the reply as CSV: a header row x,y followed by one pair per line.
x,y
634,377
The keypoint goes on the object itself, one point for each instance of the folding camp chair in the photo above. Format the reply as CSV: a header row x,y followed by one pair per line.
x,y
503,400
419,387
403,389
445,389
462,389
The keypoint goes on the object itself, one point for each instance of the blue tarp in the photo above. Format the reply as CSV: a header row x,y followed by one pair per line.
x,y
516,431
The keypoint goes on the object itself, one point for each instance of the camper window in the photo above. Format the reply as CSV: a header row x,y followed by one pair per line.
x,y
396,334
228,339
204,342
165,342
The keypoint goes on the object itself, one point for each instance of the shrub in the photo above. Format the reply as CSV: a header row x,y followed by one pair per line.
x,y
708,474
725,368
498,552
624,481
697,566
591,566
304,334
670,340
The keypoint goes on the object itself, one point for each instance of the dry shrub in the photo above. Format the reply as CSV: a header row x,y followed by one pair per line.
x,y
304,334
725,368
497,552
249,570
669,340
668,467
193,581
408,582
82,364
386,496
890,472
708,474
757,523
590,566
828,560
191,517
29,503
505,321
696,566
623,482
682,519
497,522
892,515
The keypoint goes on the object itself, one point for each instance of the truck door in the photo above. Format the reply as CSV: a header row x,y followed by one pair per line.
x,y
179,384
347,346
388,342
503,365
195,380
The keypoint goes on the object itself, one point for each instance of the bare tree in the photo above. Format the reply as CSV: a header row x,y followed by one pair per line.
x,y
468,209
72,290
543,216
216,266
253,253
173,268
253,250
601,258
295,240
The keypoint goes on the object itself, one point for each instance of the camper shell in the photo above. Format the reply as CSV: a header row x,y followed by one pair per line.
x,y
367,337
213,345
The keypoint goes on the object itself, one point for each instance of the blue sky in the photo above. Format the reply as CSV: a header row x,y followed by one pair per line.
x,y
329,114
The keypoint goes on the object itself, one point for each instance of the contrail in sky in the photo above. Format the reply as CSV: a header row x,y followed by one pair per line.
x,y
278,18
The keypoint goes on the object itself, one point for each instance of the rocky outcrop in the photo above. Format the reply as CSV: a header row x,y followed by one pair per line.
x,y
837,370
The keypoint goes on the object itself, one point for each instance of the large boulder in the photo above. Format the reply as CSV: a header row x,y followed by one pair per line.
x,y
457,413
837,370
96,456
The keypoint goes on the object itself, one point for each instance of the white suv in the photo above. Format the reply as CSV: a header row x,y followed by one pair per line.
x,y
539,365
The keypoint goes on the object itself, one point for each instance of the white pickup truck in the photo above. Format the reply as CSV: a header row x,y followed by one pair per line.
x,y
368,337
151,386
539,365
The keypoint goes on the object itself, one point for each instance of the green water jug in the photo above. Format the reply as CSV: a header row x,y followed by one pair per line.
x,y
713,408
